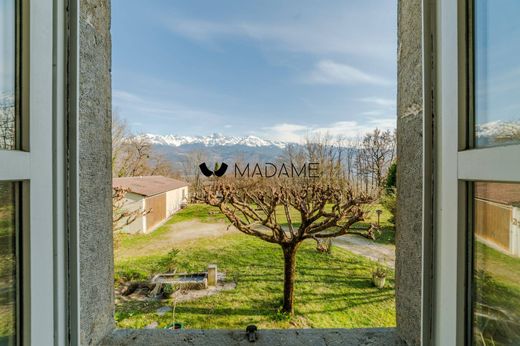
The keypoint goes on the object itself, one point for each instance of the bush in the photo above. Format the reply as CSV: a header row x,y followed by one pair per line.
x,y
129,274
168,263
391,177
389,202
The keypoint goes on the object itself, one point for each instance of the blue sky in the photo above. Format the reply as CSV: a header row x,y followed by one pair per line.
x,y
7,46
275,69
497,72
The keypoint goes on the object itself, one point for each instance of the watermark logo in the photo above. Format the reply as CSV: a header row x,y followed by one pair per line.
x,y
266,170
219,171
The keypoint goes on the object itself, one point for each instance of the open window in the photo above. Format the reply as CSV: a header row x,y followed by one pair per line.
x,y
28,176
254,148
477,235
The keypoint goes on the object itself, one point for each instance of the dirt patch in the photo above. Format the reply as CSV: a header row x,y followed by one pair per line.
x,y
189,295
142,291
177,235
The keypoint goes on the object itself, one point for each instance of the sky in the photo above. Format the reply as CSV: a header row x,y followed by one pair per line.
x,y
497,67
275,69
7,46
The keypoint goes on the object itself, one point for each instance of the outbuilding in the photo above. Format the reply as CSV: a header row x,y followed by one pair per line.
x,y
159,197
497,216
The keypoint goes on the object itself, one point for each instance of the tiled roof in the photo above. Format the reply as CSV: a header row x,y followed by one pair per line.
x,y
148,185
502,193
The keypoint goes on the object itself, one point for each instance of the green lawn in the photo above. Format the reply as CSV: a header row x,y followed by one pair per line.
x,y
332,290
7,273
199,212
497,279
205,213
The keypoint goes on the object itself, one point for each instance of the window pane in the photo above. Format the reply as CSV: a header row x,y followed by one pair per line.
x,y
7,74
8,265
496,261
497,72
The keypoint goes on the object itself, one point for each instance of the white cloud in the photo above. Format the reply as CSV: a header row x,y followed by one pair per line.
x,y
373,113
349,129
330,72
143,107
328,29
380,101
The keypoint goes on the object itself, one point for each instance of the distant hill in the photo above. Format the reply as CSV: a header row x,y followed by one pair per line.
x,y
498,133
217,148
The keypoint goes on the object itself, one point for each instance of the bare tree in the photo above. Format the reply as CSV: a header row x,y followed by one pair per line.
x,y
377,153
135,155
120,132
7,122
324,211
191,171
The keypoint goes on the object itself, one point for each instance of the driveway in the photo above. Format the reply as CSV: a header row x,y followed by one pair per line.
x,y
367,248
178,234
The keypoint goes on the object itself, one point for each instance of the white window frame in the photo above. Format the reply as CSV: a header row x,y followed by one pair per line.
x,y
39,166
457,165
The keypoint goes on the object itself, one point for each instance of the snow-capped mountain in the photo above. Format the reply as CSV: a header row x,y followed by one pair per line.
x,y
498,132
213,140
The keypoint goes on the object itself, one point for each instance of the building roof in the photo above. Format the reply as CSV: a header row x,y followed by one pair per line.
x,y
148,185
502,193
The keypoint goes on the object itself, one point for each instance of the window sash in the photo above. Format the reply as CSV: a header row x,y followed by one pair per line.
x,y
36,167
457,164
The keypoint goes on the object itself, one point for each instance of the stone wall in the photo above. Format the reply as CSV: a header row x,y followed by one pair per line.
x,y
409,219
289,337
95,173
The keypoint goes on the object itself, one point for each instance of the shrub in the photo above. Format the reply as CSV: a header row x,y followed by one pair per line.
x,y
389,202
391,177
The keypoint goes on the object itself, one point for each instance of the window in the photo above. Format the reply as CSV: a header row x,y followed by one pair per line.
x,y
478,168
7,74
497,86
496,263
29,174
9,265
271,104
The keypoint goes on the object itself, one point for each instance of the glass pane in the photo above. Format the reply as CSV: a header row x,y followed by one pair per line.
x,y
497,72
8,265
7,74
496,275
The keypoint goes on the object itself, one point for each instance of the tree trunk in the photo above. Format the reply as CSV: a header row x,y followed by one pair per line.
x,y
289,254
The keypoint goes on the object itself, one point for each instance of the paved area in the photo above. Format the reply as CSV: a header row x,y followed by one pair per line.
x,y
367,248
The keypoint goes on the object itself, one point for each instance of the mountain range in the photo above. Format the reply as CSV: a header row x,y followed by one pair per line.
x,y
498,133
212,140
216,148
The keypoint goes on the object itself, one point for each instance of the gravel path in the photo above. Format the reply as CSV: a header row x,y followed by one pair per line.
x,y
178,234
367,248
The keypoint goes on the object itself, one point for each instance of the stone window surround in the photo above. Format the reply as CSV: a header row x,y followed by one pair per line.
x,y
96,297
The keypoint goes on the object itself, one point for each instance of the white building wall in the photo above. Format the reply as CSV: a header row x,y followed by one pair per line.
x,y
174,199
134,202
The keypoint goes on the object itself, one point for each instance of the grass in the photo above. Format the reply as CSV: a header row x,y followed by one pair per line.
x,y
498,278
205,213
497,282
199,212
332,290
7,273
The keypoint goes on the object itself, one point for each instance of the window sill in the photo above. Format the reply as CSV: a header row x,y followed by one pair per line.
x,y
273,337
